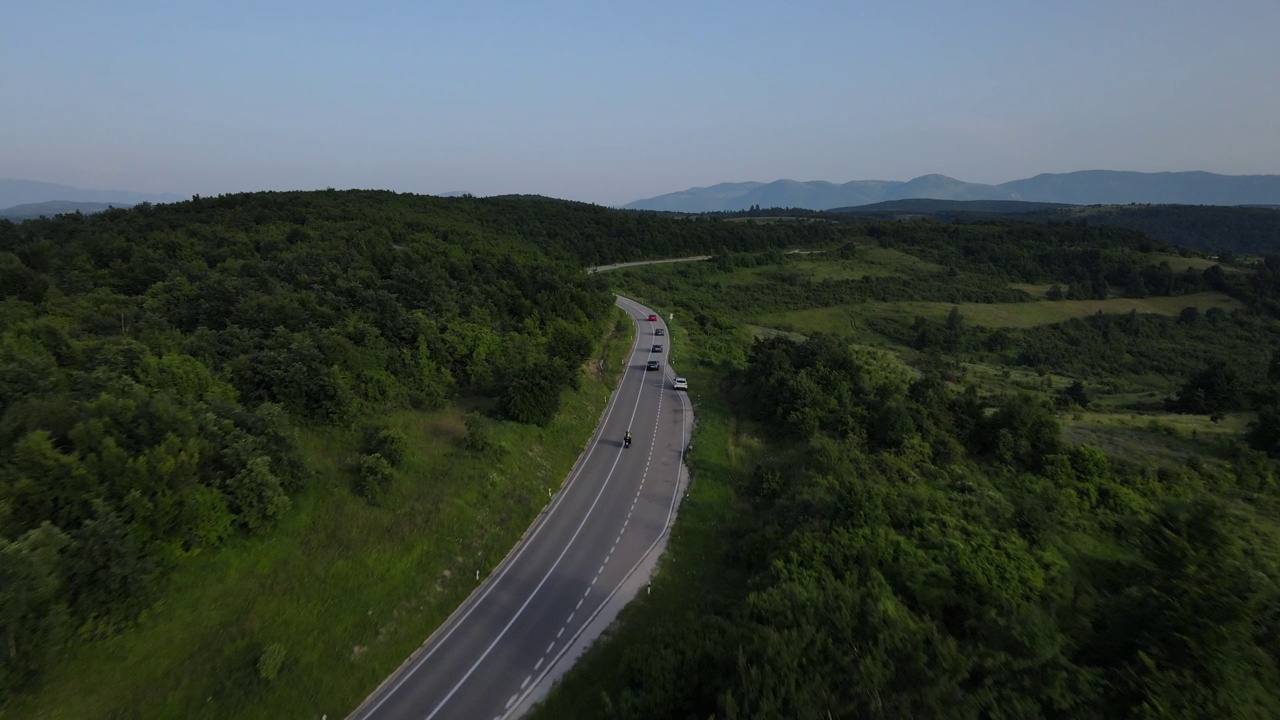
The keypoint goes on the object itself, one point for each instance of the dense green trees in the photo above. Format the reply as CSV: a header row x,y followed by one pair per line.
x,y
911,552
153,363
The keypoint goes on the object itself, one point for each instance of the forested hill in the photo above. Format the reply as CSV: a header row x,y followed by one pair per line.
x,y
154,360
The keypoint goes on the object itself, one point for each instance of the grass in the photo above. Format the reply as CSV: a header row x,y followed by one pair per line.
x,y
843,318
1155,438
870,261
348,589
1178,264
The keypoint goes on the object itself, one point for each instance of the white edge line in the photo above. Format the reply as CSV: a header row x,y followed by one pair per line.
x,y
573,538
666,528
473,601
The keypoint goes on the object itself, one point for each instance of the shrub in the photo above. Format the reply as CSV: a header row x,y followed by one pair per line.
x,y
384,441
375,477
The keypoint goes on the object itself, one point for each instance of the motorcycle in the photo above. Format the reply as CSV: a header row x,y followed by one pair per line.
x,y
626,441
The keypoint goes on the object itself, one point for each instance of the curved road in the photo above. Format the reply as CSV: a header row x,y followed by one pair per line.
x,y
575,565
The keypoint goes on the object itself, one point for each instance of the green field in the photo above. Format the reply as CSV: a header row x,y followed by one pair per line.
x,y
1154,438
348,590
870,261
996,315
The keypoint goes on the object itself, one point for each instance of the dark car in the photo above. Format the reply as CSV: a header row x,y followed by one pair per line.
x,y
653,365
660,331
657,348
653,318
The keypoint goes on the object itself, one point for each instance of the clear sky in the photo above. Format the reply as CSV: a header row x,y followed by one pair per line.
x,y
610,102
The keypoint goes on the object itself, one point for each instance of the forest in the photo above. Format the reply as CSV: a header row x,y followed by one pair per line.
x,y
154,363
903,542
892,526
1220,230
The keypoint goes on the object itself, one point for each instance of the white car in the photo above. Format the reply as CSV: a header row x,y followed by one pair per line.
x,y
680,384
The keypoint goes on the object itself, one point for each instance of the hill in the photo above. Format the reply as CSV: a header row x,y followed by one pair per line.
x,y
1085,187
1095,187
930,207
962,470
1245,230
278,421
56,207
26,192
1239,230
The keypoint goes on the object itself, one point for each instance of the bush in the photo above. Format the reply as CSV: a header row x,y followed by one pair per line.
x,y
384,441
478,439
375,477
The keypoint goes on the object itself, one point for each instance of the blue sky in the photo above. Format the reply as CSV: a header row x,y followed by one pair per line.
x,y
608,103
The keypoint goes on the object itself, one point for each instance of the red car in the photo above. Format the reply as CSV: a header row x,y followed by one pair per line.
x,y
653,318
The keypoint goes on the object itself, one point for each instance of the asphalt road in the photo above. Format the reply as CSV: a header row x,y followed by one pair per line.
x,y
611,512
618,266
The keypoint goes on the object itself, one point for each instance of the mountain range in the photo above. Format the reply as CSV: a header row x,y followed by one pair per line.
x,y
28,192
1087,187
53,208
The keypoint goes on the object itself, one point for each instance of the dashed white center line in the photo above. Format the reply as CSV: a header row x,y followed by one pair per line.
x,y
625,523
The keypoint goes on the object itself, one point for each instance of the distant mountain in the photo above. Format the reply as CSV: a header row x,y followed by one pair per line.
x,y
1111,187
26,192
55,207
927,206
1081,188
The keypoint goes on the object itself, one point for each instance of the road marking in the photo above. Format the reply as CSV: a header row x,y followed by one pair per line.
x,y
538,666
494,580
675,497
513,700
525,684
557,637
520,611
553,644
584,597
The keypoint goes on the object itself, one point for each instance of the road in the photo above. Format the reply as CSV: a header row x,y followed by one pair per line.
x,y
576,564
617,266
690,258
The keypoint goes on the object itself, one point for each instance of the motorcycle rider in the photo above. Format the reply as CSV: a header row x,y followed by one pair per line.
x,y
626,441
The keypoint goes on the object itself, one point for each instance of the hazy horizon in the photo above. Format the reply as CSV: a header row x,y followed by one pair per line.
x,y
614,104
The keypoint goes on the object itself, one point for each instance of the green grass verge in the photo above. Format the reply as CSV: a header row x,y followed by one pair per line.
x,y
349,590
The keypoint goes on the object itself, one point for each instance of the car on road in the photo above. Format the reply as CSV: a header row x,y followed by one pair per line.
x,y
660,331
653,318
657,347
680,384
653,365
